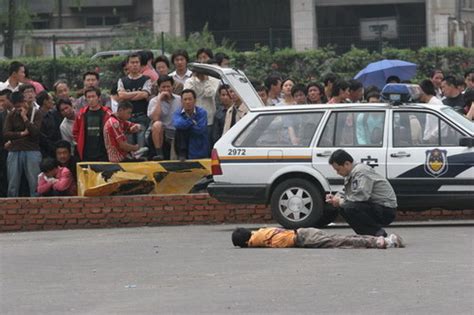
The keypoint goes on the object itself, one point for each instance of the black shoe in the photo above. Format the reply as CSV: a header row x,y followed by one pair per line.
x,y
381,232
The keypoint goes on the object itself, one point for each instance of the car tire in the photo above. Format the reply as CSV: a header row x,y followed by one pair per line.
x,y
330,214
297,203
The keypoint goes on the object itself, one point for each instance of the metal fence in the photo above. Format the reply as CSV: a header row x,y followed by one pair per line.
x,y
249,39
341,38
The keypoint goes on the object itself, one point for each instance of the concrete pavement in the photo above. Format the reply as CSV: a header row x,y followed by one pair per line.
x,y
196,270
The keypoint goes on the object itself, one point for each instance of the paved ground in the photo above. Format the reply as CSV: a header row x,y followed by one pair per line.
x,y
195,269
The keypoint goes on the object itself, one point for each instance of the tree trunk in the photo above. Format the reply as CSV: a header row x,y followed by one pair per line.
x,y
9,35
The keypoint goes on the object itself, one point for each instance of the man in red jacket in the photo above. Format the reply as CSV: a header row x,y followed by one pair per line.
x,y
88,130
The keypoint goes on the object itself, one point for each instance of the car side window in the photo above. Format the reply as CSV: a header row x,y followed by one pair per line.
x,y
280,130
449,135
353,129
418,129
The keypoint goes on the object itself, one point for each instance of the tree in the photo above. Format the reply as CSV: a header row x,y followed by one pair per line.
x,y
15,15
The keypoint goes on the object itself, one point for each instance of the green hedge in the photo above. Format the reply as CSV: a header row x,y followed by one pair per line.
x,y
302,66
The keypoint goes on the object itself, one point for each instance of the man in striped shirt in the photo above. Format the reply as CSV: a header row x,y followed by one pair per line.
x,y
115,134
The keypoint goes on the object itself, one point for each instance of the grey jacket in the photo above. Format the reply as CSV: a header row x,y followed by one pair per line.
x,y
365,184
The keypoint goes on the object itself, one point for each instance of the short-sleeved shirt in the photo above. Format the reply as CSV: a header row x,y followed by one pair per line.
x,y
94,149
167,110
142,83
272,237
115,132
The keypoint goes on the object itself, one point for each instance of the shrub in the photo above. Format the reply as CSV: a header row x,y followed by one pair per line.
x,y
300,66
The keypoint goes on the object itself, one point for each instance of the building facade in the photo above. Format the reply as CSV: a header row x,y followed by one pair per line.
x,y
89,25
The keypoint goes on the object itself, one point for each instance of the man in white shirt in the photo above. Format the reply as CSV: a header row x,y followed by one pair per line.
x,y
16,74
160,111
180,59
205,88
64,106
430,132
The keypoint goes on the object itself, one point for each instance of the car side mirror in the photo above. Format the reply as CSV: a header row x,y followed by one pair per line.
x,y
466,142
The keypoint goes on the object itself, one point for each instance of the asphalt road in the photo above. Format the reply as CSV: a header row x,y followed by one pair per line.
x,y
196,270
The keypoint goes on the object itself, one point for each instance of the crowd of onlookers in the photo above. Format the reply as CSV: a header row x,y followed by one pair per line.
x,y
152,113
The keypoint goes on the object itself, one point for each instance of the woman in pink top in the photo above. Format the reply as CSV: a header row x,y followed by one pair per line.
x,y
55,180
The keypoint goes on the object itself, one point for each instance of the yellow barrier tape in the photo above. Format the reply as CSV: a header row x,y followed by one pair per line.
x,y
166,177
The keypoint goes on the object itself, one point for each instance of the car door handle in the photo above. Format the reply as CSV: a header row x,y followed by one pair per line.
x,y
324,154
400,154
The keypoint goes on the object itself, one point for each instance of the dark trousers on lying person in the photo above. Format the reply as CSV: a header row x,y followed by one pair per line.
x,y
367,218
315,238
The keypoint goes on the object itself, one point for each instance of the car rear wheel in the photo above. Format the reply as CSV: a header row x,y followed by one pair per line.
x,y
296,203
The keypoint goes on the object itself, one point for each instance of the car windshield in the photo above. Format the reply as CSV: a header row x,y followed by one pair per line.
x,y
460,119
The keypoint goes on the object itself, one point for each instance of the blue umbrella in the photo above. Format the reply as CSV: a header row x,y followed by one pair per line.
x,y
377,73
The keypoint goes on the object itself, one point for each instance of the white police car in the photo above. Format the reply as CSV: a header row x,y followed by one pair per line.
x,y
279,155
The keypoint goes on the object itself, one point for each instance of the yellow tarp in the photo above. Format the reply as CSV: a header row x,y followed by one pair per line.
x,y
166,177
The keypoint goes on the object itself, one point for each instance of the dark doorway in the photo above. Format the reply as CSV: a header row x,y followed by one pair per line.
x,y
247,23
340,25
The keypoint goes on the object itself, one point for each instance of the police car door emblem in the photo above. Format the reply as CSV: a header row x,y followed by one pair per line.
x,y
370,161
436,163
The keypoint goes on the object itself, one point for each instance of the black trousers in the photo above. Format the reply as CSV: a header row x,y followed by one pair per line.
x,y
367,218
181,142
3,172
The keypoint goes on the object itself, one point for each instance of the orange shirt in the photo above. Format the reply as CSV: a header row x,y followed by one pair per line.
x,y
272,237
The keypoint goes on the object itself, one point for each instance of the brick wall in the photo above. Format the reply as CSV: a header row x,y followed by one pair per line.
x,y
25,214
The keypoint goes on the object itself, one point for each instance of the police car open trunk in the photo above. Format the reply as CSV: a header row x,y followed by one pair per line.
x,y
235,78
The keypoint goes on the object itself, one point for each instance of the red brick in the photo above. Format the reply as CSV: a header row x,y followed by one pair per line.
x,y
94,210
36,216
199,213
75,205
10,206
33,227
54,216
95,215
11,227
11,216
94,204
10,200
52,205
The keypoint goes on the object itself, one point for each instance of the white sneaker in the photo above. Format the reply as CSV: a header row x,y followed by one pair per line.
x,y
394,240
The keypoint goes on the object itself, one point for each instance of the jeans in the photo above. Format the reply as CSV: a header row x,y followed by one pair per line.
x,y
139,137
19,162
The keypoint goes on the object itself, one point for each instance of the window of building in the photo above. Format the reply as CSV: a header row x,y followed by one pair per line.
x,y
102,20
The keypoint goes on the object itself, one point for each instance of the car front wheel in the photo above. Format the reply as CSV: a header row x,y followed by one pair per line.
x,y
296,203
